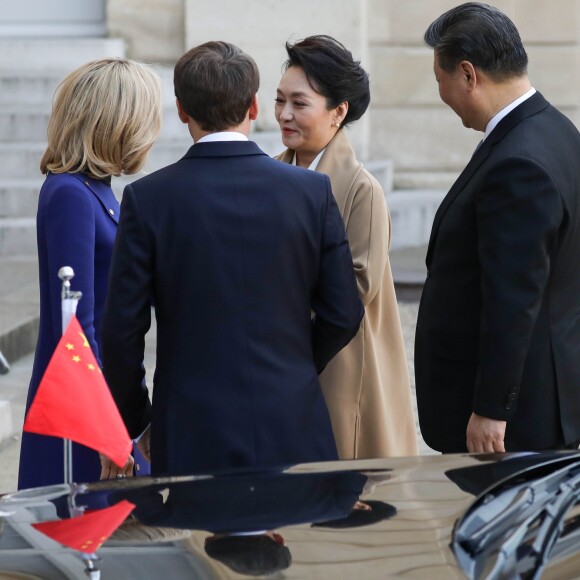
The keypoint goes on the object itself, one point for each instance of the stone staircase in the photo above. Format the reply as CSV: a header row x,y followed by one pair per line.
x,y
30,70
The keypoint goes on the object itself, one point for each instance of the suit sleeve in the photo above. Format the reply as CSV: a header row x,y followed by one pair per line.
x,y
519,210
70,241
368,230
127,317
337,307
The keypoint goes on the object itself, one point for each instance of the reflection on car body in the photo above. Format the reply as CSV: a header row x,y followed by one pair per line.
x,y
426,520
517,526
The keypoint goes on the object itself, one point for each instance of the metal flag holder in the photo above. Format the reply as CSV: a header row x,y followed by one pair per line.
x,y
4,365
69,301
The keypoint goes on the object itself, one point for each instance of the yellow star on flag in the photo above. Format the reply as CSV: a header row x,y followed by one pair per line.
x,y
70,346
91,367
76,358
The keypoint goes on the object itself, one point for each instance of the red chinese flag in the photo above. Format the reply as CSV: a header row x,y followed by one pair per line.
x,y
87,533
74,402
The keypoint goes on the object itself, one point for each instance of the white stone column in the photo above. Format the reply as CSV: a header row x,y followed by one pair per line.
x,y
154,30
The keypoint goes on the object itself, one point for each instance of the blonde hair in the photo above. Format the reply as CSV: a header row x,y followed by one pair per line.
x,y
105,118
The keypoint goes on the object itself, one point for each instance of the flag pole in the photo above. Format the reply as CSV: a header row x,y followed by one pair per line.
x,y
69,301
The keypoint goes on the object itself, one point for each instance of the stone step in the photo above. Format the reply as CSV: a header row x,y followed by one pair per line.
x,y
20,160
19,197
27,88
412,213
36,87
55,54
21,124
17,236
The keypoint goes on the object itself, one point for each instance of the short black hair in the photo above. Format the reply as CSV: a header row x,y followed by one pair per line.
x,y
482,35
332,71
257,555
215,83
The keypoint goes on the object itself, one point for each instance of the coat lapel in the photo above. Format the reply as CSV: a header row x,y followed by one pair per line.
x,y
338,162
103,192
531,106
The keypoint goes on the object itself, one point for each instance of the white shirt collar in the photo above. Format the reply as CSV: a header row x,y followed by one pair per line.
x,y
315,161
505,111
222,136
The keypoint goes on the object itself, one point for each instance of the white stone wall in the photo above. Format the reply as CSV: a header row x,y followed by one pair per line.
x,y
262,27
407,122
425,139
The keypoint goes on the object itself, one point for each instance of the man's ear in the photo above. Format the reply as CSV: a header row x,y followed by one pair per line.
x,y
253,111
183,116
467,71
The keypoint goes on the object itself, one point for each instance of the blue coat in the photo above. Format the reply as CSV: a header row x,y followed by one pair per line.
x,y
236,250
76,226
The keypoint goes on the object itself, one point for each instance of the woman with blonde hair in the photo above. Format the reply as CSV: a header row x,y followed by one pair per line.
x,y
106,116
366,385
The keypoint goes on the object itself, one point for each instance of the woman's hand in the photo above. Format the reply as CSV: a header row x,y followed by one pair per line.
x,y
110,470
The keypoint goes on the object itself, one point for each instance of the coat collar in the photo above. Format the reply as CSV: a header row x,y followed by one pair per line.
x,y
528,108
223,149
338,161
101,189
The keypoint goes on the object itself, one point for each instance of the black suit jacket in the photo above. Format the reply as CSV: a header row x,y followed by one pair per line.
x,y
498,331
236,250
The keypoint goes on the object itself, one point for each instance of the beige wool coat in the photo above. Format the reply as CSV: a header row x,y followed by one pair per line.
x,y
366,386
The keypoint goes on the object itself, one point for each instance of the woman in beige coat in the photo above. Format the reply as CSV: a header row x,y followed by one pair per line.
x,y
366,386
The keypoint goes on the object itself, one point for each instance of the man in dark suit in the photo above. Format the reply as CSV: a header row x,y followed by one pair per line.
x,y
497,347
235,250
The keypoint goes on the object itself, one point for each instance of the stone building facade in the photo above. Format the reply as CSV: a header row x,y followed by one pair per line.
x,y
413,143
407,123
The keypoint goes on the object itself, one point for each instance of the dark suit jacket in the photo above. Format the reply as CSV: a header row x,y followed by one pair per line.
x,y
236,250
76,226
498,331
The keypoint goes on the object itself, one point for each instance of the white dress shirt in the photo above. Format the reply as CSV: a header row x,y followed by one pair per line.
x,y
223,136
314,164
505,111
